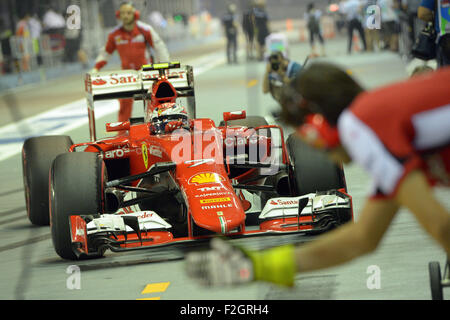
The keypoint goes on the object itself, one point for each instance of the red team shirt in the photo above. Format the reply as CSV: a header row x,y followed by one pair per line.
x,y
132,46
394,130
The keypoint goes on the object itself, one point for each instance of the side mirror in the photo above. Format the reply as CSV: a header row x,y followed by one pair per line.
x,y
118,126
235,115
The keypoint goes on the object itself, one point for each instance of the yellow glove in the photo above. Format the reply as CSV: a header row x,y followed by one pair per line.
x,y
276,265
226,264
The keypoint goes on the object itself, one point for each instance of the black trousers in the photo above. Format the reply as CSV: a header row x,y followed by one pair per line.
x,y
355,24
443,51
312,34
232,48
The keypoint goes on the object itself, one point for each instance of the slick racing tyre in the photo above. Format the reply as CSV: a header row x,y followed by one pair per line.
x,y
38,154
434,271
312,170
76,188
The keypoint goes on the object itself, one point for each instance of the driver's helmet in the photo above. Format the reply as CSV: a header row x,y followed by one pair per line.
x,y
168,113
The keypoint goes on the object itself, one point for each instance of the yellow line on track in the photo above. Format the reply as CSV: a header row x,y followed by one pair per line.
x,y
252,83
154,288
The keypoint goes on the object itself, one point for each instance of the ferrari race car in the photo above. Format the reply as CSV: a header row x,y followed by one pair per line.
x,y
150,186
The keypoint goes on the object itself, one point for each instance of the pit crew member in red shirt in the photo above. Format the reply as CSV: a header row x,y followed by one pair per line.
x,y
400,134
130,39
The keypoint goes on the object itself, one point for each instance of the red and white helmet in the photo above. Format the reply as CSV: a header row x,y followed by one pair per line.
x,y
165,114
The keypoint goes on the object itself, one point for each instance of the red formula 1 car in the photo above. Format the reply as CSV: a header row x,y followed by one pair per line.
x,y
170,178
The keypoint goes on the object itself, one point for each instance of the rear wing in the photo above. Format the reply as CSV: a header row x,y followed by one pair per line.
x,y
109,85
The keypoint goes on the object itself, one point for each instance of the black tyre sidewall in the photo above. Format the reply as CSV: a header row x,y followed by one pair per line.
x,y
37,156
435,280
76,188
312,170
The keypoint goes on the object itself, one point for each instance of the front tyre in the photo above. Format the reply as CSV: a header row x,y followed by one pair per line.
x,y
313,170
77,183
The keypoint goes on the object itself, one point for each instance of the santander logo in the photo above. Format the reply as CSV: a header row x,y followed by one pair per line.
x,y
279,202
98,82
145,215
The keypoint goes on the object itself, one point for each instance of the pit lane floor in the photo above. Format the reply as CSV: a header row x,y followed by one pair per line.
x,y
30,269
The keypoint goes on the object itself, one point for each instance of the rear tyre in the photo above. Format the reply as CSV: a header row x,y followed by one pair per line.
x,y
312,170
77,183
434,270
38,154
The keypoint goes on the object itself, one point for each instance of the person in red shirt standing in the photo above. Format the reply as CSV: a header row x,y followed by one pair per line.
x,y
130,39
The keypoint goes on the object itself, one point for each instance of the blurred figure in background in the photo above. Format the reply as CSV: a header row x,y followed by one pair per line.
x,y
352,10
5,36
230,25
390,24
131,38
312,16
54,27
249,31
279,72
411,7
261,20
72,50
441,16
157,20
53,22
24,44
35,32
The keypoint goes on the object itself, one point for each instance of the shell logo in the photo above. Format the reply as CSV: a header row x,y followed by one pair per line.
x,y
208,177
98,82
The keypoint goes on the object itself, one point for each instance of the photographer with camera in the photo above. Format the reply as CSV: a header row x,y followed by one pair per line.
x,y
279,72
